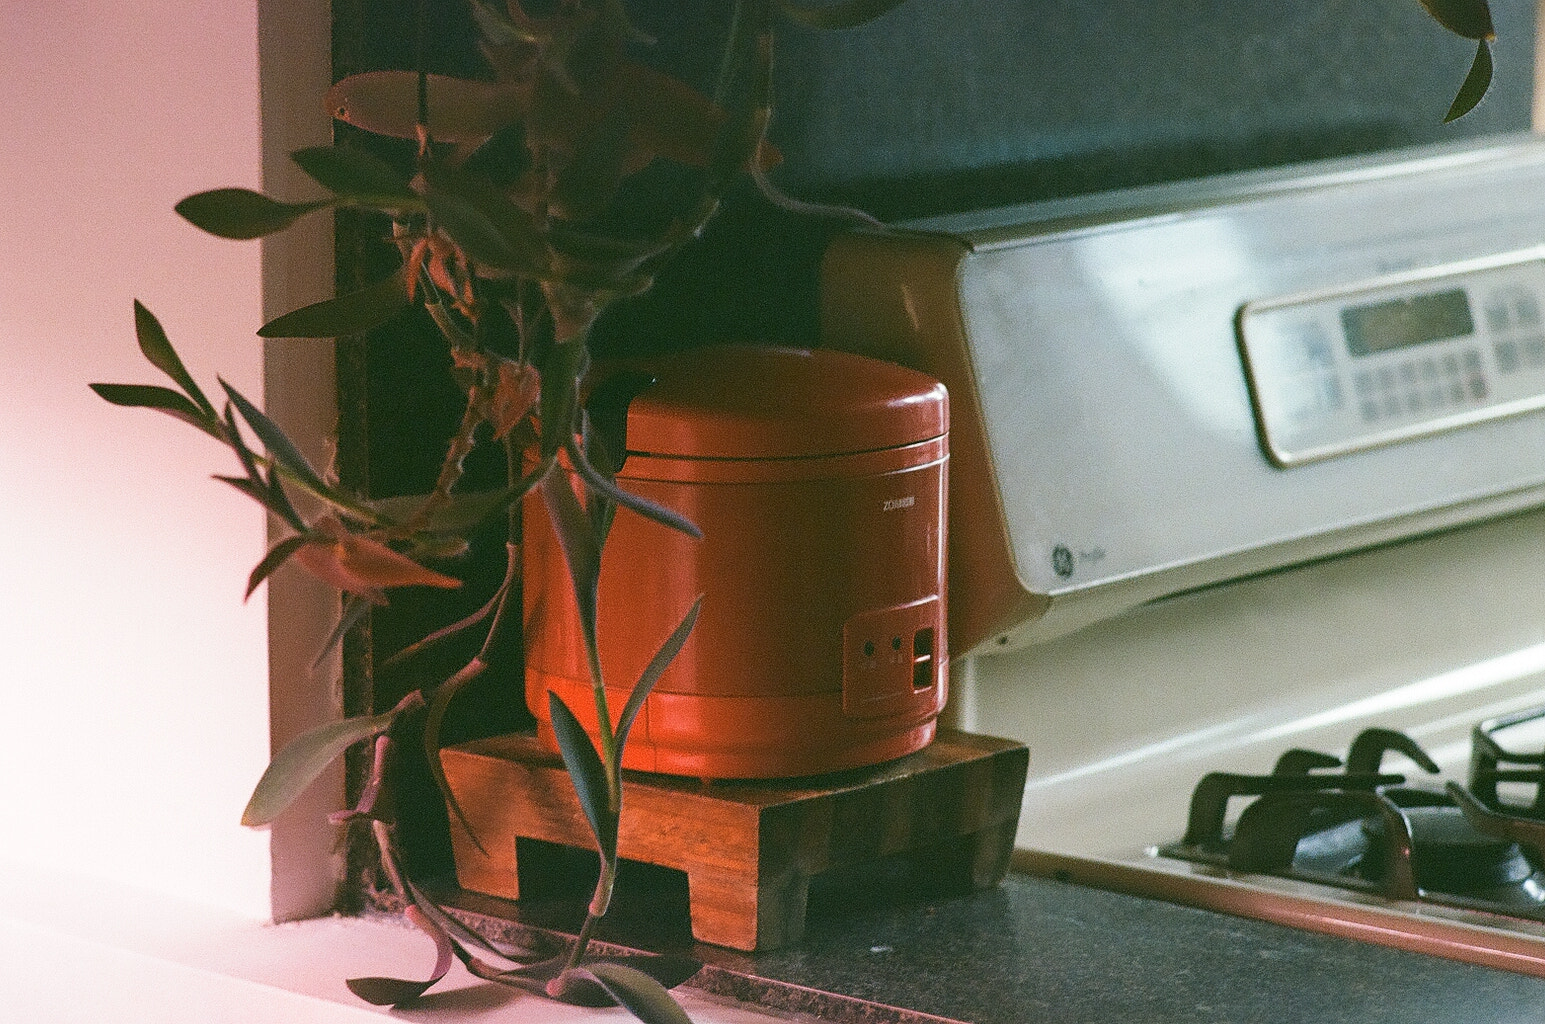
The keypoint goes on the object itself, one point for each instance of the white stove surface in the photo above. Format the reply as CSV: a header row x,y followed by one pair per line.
x,y
1122,719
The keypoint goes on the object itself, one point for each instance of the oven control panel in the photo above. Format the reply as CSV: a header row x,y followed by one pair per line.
x,y
1340,370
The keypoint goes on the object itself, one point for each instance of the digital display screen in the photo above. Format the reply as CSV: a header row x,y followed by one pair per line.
x,y
1400,323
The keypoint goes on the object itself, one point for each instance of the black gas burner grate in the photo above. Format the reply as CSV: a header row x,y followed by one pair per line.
x,y
1492,764
1354,826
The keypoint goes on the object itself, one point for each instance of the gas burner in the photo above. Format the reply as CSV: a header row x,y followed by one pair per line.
x,y
1492,764
1356,827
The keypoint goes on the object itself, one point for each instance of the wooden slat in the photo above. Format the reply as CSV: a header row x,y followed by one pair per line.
x,y
749,850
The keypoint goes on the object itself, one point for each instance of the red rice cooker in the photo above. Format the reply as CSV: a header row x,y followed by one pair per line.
x,y
818,479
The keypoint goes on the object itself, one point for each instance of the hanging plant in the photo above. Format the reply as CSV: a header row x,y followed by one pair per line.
x,y
504,237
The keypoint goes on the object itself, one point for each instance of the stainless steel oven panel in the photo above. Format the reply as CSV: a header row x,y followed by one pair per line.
x,y
1103,358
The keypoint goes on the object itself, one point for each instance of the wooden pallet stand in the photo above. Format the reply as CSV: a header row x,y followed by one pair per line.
x,y
749,850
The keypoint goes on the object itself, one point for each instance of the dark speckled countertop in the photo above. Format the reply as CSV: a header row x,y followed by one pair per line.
x,y
1035,949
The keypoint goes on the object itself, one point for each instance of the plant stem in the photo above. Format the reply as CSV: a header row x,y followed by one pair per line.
x,y
599,903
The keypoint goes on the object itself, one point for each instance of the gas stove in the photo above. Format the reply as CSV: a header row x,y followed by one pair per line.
x,y
1380,843
1348,823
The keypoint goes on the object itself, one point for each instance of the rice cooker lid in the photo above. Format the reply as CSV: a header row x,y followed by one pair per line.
x,y
761,402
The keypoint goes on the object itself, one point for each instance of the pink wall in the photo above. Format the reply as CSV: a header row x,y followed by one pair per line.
x,y
134,677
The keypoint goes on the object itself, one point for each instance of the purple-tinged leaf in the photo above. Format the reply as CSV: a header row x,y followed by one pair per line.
x,y
239,446
354,610
277,556
668,969
640,994
279,446
439,704
587,774
303,759
644,507
654,670
241,213
152,396
157,348
1475,84
279,501
531,978
353,313
387,991
541,948
266,490
394,991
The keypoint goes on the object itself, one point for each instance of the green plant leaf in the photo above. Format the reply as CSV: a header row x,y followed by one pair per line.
x,y
279,501
587,184
560,371
459,515
587,774
578,987
265,495
842,14
304,758
580,549
486,242
391,991
241,213
669,969
157,348
1468,18
531,977
274,559
251,488
748,99
279,446
151,396
499,29
355,174
606,417
615,16
637,992
493,231
353,313
654,670
1475,84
